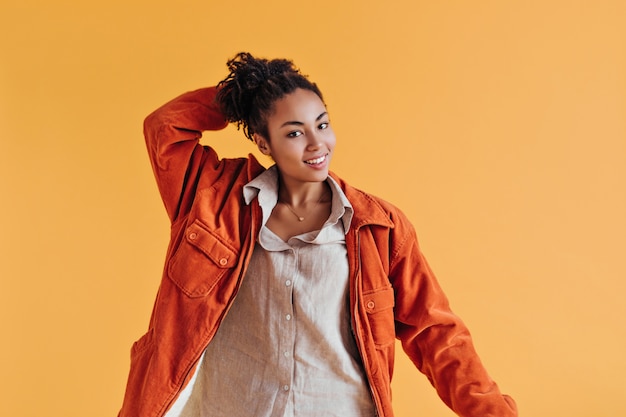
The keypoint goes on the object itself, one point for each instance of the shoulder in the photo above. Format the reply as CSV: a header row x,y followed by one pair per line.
x,y
373,210
384,225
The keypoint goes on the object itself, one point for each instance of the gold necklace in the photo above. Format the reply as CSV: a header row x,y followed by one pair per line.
x,y
300,218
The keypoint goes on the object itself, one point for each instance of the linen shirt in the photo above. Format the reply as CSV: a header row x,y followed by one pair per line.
x,y
285,348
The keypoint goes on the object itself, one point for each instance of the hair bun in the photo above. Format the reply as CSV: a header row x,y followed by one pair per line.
x,y
246,96
251,73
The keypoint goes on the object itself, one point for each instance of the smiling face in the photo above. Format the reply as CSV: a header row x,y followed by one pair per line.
x,y
301,140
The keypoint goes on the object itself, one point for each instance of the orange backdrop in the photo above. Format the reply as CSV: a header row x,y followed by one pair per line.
x,y
499,127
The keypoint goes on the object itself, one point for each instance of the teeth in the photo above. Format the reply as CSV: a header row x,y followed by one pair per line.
x,y
316,160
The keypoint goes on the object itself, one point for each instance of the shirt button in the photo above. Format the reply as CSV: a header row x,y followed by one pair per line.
x,y
193,235
223,261
288,316
285,387
370,305
288,283
286,354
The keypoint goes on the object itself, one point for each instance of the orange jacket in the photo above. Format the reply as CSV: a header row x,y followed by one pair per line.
x,y
393,293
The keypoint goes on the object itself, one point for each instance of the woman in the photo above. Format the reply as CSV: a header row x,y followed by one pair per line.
x,y
284,289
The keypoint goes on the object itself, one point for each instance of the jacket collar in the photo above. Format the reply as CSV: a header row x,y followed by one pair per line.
x,y
254,167
367,209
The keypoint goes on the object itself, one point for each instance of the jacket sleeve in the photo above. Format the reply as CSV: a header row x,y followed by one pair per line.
x,y
435,339
172,134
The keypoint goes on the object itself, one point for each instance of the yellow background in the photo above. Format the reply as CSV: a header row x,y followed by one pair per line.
x,y
498,126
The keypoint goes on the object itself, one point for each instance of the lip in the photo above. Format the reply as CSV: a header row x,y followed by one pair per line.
x,y
317,161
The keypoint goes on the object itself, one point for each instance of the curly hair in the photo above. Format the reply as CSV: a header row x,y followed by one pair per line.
x,y
247,95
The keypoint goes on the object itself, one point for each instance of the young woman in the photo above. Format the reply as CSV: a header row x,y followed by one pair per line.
x,y
285,288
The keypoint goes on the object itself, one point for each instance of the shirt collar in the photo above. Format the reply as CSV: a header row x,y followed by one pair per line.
x,y
265,188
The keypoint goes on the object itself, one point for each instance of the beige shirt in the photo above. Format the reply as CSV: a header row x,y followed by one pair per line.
x,y
285,348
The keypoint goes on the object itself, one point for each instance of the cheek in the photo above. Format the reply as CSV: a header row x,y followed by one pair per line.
x,y
331,140
285,151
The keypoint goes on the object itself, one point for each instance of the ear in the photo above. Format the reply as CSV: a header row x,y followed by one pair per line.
x,y
261,143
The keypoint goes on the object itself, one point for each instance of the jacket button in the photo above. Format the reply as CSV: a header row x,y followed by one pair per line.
x,y
193,235
223,261
370,305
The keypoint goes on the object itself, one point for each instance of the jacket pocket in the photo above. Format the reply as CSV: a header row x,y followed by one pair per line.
x,y
200,261
379,305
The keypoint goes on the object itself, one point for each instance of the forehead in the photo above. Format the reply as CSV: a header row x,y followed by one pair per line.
x,y
301,105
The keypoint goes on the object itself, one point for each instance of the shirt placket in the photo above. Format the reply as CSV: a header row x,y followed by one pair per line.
x,y
285,287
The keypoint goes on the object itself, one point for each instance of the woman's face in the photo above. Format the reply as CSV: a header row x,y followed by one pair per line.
x,y
301,138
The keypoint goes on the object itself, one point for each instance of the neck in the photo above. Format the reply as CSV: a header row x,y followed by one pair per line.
x,y
302,194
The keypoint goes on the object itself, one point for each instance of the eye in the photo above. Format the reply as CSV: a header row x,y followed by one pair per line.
x,y
323,126
294,134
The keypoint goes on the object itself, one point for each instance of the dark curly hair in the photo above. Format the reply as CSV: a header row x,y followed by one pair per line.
x,y
247,95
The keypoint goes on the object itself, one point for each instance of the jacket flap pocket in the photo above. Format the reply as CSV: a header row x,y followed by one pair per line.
x,y
200,261
211,245
379,300
379,308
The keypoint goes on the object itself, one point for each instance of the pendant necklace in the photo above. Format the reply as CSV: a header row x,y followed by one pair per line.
x,y
300,218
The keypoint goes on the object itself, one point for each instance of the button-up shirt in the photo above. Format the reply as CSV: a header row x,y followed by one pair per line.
x,y
285,348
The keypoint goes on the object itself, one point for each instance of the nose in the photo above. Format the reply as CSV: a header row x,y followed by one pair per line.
x,y
314,140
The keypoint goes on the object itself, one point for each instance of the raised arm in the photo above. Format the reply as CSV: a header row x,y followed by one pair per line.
x,y
172,134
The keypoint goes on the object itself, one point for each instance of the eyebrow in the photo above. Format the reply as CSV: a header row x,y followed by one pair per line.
x,y
297,123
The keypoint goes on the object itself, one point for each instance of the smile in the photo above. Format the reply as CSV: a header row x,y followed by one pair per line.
x,y
317,160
